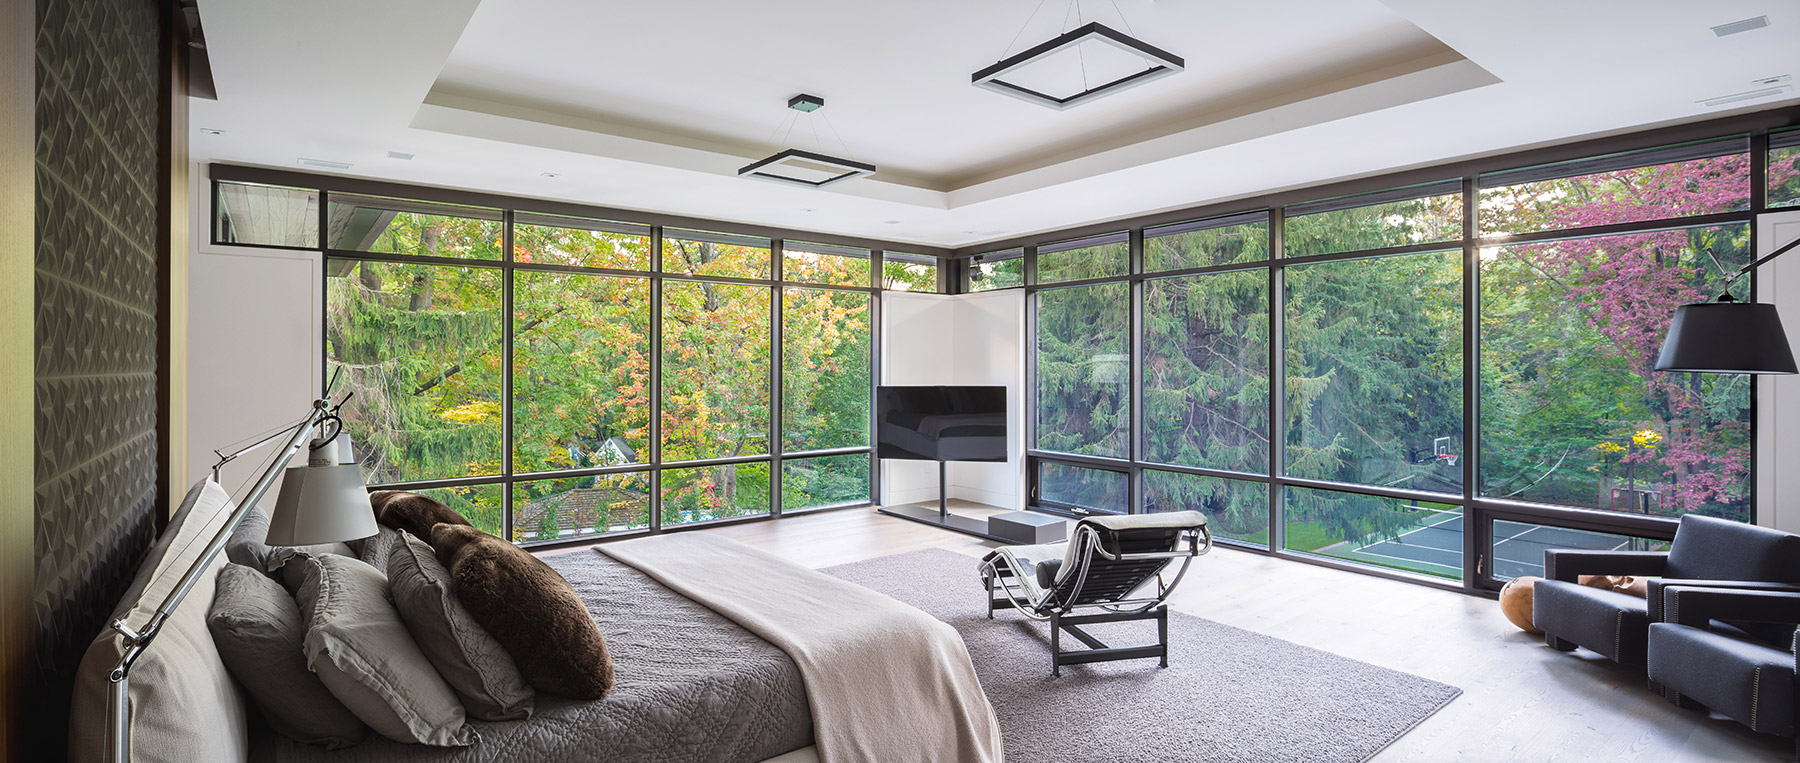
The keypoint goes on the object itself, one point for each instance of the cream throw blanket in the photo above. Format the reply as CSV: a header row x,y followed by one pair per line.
x,y
886,681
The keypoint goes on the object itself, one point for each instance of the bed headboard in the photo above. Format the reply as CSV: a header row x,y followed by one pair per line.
x,y
184,705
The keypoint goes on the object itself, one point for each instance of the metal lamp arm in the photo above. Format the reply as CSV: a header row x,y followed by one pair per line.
x,y
136,642
1783,249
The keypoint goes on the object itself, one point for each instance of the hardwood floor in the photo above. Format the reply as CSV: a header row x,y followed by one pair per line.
x,y
1521,700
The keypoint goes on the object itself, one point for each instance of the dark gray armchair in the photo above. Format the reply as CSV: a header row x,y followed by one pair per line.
x,y
1749,679
1706,551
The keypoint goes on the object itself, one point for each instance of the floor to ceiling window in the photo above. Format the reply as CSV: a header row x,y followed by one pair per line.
x,y
1464,365
555,377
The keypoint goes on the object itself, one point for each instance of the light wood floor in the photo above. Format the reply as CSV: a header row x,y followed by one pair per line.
x,y
1521,700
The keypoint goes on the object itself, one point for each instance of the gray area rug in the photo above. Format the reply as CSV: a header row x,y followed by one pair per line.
x,y
1228,694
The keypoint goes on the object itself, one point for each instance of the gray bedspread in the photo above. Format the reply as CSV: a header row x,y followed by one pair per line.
x,y
691,686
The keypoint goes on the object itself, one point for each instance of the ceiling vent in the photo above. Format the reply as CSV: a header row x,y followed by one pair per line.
x,y
401,155
1736,27
1747,96
321,164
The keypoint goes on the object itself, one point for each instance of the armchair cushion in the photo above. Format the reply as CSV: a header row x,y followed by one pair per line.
x,y
1607,622
1752,683
1709,548
1569,564
1774,635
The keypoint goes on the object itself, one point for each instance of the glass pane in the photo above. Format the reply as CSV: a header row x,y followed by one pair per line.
x,y
999,270
1206,371
421,349
1693,187
1417,536
824,263
715,254
268,215
811,482
1234,509
1374,226
1084,370
909,272
1096,491
403,226
1098,257
546,510
556,240
1784,169
1519,546
714,492
581,371
480,504
825,343
715,370
1572,410
1374,352
1205,243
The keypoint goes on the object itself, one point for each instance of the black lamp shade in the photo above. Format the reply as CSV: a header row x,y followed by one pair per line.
x,y
1727,338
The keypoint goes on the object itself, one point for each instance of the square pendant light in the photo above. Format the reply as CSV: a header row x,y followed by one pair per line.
x,y
806,168
1162,64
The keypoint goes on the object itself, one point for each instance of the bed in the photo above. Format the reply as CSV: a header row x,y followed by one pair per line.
x,y
692,684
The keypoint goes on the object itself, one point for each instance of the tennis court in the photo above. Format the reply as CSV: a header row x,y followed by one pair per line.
x,y
1518,546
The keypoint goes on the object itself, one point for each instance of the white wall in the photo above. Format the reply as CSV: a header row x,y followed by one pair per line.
x,y
963,339
254,344
1778,397
989,346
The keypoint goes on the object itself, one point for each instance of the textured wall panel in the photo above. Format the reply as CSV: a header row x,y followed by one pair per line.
x,y
96,325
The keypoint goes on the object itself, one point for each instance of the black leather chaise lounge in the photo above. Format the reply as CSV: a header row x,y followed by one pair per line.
x,y
1106,567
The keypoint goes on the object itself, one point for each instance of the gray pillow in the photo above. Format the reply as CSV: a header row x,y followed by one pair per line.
x,y
476,666
362,652
378,547
257,629
246,545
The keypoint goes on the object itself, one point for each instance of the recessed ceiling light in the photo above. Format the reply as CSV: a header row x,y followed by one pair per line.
x,y
323,164
401,155
893,222
550,174
810,209
211,131
1737,27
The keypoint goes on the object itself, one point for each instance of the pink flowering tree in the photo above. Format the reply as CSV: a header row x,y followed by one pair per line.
x,y
1572,330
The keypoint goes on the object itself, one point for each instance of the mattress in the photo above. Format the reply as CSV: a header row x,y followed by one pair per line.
x,y
691,685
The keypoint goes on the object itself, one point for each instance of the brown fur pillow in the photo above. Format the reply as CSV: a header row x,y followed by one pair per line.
x,y
530,609
412,512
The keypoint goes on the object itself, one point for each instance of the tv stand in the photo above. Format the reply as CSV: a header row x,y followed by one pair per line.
x,y
942,516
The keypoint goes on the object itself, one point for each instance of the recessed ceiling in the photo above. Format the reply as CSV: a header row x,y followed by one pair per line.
x,y
896,75
656,105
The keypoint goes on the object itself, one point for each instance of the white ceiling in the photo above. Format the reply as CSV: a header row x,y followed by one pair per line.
x,y
653,105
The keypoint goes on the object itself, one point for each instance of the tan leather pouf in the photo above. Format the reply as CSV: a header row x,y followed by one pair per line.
x,y
1515,602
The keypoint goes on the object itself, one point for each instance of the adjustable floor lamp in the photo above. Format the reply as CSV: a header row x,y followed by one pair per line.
x,y
322,502
1727,336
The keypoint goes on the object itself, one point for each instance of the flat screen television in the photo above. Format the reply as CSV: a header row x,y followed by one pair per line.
x,y
941,423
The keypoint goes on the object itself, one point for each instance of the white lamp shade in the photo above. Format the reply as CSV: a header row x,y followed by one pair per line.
x,y
321,504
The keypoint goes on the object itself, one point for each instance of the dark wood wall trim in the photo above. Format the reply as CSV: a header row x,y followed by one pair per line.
x,y
18,73
172,246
